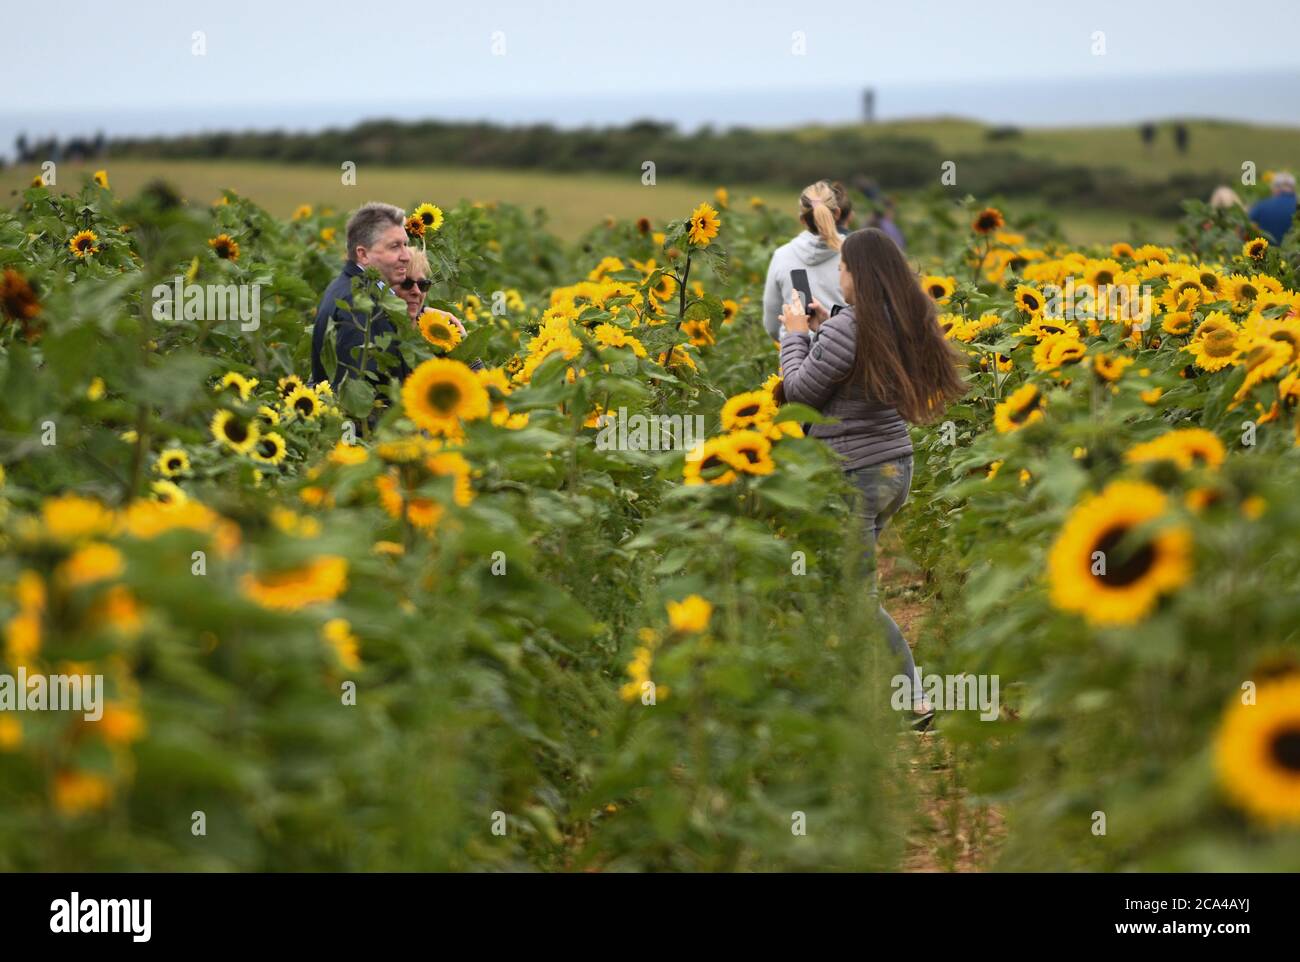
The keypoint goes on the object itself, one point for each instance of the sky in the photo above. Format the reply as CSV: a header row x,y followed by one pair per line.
x,y
329,51
136,69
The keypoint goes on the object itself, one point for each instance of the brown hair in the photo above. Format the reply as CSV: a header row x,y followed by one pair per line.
x,y
902,357
823,207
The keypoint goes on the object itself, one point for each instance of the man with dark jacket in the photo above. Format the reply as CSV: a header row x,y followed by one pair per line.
x,y
376,237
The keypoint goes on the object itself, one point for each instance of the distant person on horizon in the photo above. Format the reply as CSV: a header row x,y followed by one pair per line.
x,y
1275,214
1180,137
1148,132
824,209
882,212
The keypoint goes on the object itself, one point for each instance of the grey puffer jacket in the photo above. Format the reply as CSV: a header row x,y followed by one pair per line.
x,y
821,375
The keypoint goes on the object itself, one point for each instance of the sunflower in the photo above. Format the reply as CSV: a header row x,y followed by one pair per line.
x,y
1150,252
1108,565
1262,357
699,332
1102,273
678,357
704,225
1109,368
1121,249
1257,753
1057,350
266,416
714,462
1023,406
269,449
302,212
303,402
225,247
663,288
1255,249
748,410
1177,323
438,330
1186,447
440,393
172,463
987,221
83,243
729,310
690,615
288,384
233,431
233,379
319,580
452,464
1029,300
17,299
168,492
1038,329
414,227
430,216
751,450
1214,345
939,288
1002,362
420,511
1284,330
610,335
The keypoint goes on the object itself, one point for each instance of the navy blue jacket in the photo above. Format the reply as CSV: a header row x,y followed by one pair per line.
x,y
350,334
1274,215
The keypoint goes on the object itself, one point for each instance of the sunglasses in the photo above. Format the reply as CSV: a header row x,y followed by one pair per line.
x,y
423,282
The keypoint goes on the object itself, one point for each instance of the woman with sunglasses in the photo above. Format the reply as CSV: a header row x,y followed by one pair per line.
x,y
414,289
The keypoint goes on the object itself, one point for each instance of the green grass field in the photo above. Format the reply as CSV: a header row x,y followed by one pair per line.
x,y
573,203
1217,146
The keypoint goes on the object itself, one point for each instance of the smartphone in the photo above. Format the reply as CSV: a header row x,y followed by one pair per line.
x,y
799,281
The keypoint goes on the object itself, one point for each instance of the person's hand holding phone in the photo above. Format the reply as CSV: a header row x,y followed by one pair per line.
x,y
817,315
793,316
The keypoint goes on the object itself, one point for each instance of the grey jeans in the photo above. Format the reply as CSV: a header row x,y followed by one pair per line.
x,y
880,491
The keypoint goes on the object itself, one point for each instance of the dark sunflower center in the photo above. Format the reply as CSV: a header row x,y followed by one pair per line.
x,y
748,411
267,448
1210,282
1286,749
1105,278
1122,571
1031,302
751,455
936,290
174,464
237,431
304,405
1248,292
444,396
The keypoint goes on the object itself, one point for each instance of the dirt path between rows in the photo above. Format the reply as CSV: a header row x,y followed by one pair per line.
x,y
948,834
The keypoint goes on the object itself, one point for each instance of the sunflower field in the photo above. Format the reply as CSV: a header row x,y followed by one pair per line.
x,y
445,625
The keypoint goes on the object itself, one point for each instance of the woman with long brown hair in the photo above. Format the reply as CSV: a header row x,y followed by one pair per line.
x,y
879,364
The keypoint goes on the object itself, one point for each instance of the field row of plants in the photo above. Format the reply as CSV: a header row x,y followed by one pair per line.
x,y
474,636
